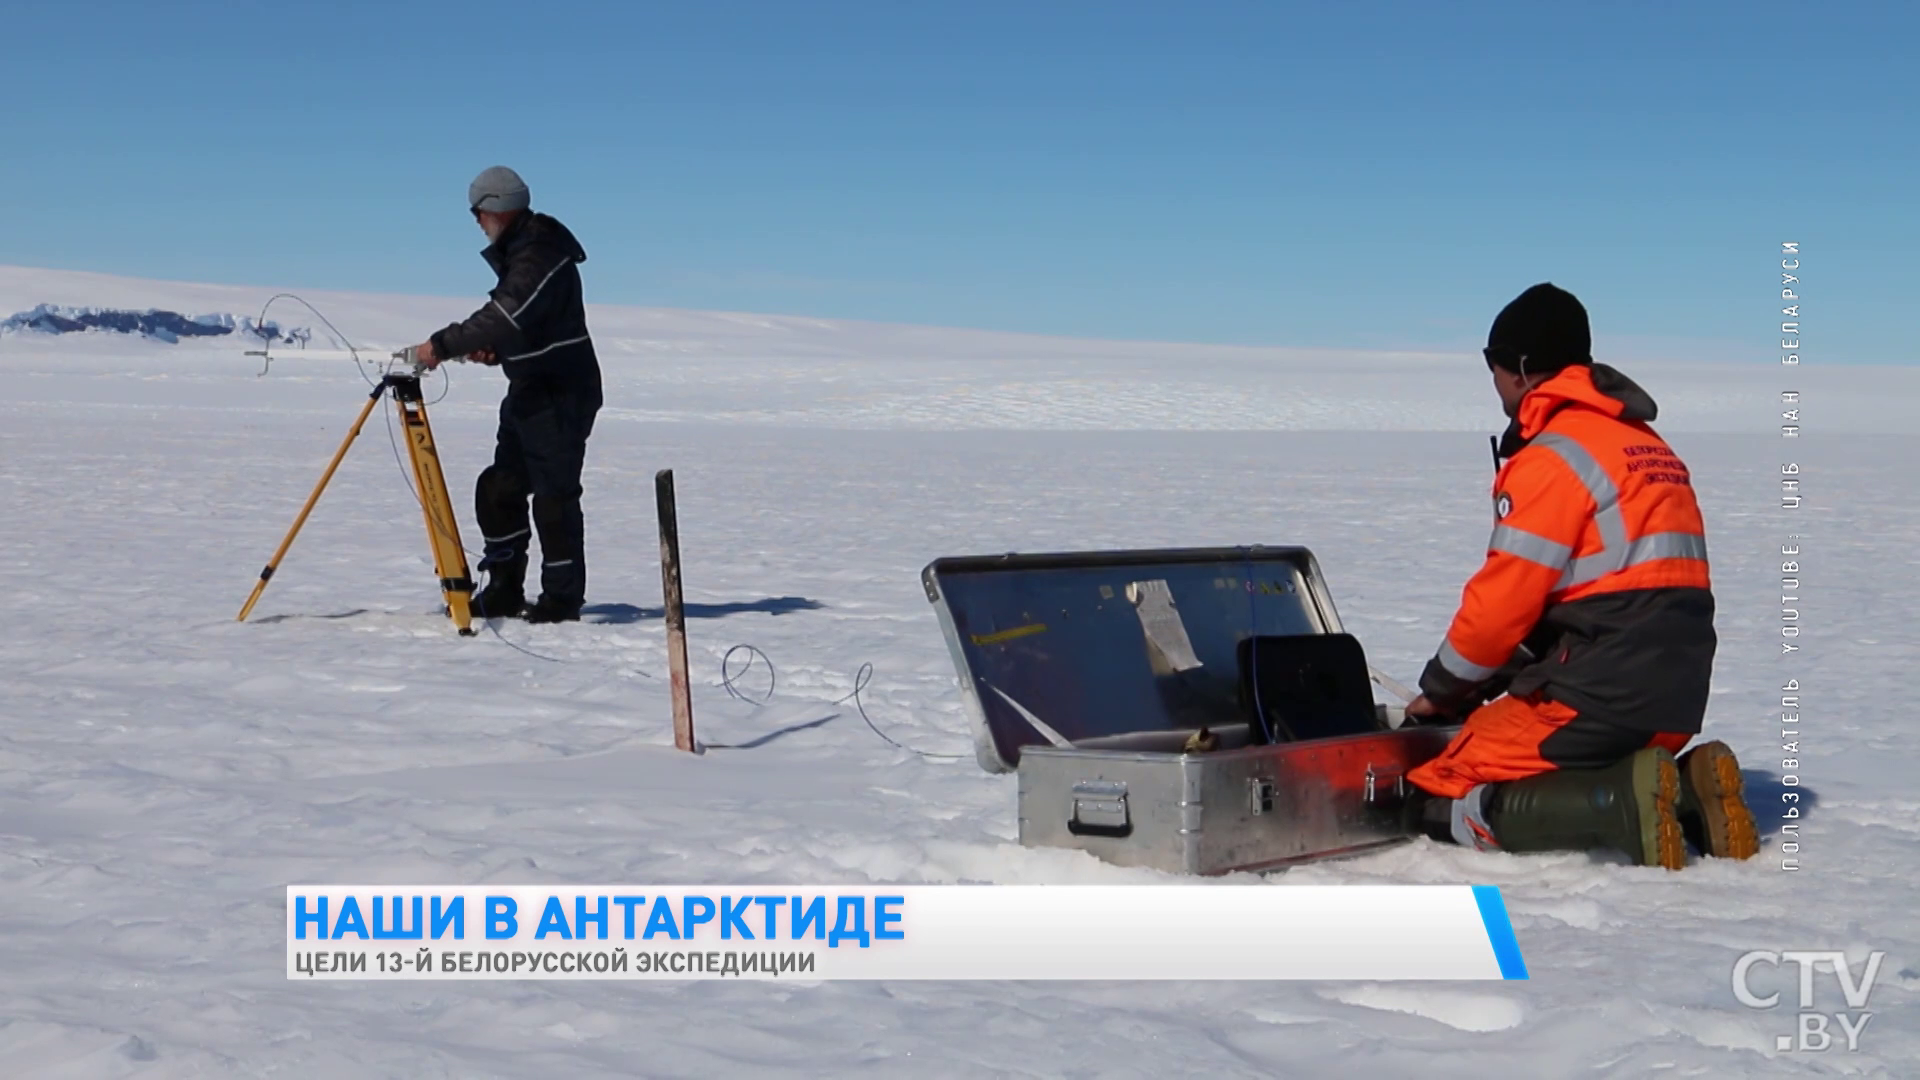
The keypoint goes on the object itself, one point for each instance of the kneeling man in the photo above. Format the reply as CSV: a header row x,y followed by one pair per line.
x,y
1593,613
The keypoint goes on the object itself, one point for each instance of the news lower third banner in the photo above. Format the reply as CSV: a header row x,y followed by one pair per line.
x,y
950,932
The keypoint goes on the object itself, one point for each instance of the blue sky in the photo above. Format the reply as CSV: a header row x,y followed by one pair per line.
x,y
1353,174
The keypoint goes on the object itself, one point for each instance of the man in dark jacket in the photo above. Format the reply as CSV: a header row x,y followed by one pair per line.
x,y
534,326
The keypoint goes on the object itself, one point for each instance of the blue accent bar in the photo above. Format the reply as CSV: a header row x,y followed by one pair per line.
x,y
1506,947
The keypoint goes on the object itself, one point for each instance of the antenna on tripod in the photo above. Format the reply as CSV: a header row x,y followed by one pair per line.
x,y
401,381
398,358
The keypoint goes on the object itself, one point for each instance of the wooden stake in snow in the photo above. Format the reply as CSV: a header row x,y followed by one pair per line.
x,y
676,611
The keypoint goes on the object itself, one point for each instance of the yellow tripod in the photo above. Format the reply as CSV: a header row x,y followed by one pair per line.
x,y
443,532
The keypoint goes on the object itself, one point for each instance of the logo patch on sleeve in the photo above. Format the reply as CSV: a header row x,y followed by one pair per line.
x,y
1502,505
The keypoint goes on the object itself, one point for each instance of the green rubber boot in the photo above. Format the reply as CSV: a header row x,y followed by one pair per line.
x,y
1629,807
1713,806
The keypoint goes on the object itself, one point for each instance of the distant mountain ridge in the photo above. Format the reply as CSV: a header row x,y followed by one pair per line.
x,y
153,323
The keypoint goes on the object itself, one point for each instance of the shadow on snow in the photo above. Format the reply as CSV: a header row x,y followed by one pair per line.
x,y
771,735
1764,790
613,614
766,605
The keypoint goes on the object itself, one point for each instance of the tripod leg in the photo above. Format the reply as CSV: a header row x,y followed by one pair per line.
x,y
443,529
338,455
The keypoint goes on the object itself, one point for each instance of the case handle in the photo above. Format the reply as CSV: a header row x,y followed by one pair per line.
x,y
1100,809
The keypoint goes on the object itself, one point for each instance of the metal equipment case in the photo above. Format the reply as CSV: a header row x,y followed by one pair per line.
x,y
1112,683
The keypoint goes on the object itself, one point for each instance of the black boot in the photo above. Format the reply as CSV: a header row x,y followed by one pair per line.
x,y
563,584
505,595
549,610
1427,815
1713,807
1628,807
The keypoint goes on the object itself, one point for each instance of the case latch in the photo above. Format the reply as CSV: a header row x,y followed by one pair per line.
x,y
1395,782
1100,809
1259,796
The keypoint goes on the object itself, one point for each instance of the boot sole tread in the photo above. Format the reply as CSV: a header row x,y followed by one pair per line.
x,y
1714,774
1664,842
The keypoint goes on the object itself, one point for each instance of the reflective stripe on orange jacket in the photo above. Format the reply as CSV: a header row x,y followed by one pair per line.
x,y
1597,565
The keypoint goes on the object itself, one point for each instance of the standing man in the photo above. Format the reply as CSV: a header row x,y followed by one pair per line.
x,y
534,326
1593,612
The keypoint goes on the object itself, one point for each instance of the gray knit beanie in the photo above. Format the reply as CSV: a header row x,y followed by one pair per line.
x,y
499,190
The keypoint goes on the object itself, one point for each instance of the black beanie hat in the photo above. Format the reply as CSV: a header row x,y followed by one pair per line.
x,y
1544,329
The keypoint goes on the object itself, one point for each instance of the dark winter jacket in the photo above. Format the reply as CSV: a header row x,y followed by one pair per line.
x,y
1596,590
535,319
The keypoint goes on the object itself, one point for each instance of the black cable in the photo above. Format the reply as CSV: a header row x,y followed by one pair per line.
x,y
337,335
1253,653
726,678
860,680
446,384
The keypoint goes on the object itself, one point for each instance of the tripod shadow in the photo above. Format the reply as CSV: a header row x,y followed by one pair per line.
x,y
298,615
1763,791
619,614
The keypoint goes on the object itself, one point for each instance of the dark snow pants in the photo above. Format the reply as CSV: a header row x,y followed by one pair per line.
x,y
539,452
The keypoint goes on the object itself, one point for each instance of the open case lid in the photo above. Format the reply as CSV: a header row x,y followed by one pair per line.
x,y
1066,648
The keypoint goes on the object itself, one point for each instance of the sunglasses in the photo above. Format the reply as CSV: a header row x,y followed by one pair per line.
x,y
1501,356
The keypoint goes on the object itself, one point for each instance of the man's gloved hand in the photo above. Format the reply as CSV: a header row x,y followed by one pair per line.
x,y
424,355
1421,710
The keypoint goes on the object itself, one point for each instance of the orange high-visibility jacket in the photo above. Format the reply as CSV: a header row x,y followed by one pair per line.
x,y
1597,565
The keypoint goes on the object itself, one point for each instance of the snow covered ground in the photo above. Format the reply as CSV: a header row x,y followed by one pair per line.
x,y
165,771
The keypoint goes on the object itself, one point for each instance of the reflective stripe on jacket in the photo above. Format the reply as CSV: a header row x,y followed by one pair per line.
x,y
1596,588
535,318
